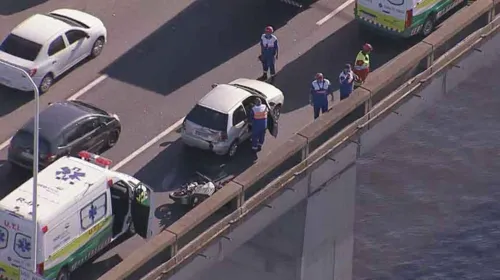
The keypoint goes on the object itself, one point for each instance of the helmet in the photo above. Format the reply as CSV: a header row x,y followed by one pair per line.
x,y
319,76
269,29
367,47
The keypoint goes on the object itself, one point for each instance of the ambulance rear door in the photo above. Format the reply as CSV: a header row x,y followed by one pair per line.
x,y
143,209
16,244
390,14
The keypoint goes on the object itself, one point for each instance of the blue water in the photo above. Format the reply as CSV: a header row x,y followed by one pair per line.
x,y
428,197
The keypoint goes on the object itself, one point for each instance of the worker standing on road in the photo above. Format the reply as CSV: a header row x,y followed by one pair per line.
x,y
258,115
320,89
362,64
269,53
346,80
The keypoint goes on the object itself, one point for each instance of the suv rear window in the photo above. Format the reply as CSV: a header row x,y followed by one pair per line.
x,y
20,47
24,139
208,118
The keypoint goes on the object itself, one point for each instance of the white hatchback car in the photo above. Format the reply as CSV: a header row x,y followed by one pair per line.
x,y
47,45
220,120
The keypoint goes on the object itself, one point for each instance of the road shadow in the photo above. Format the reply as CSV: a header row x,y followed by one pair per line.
x,y
177,165
200,38
94,269
10,7
11,99
329,57
11,178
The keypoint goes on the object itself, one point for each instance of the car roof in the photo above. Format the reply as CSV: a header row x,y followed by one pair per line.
x,y
40,28
56,118
57,193
223,98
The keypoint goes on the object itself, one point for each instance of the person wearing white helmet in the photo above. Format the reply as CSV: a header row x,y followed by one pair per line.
x,y
258,115
269,52
320,89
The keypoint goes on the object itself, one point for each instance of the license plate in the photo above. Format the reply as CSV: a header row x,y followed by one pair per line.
x,y
368,16
27,155
201,133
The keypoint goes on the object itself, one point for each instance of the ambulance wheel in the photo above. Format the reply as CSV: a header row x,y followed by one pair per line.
x,y
428,26
63,274
131,229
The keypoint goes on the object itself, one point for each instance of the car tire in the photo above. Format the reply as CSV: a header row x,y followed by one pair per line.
x,y
112,139
46,83
233,149
277,111
97,47
428,26
63,274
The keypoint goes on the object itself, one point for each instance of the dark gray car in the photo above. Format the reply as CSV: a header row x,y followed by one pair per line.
x,y
66,128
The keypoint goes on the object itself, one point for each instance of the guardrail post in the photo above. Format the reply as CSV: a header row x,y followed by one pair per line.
x,y
305,151
173,249
491,14
240,199
430,60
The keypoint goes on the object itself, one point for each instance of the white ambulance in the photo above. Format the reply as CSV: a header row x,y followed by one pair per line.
x,y
82,207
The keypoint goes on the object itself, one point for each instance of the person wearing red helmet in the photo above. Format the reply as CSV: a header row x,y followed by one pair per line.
x,y
320,89
362,64
269,52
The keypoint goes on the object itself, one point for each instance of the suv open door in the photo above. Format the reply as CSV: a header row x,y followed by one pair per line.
x,y
272,122
142,209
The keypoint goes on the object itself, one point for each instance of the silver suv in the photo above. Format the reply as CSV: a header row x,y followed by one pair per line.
x,y
220,120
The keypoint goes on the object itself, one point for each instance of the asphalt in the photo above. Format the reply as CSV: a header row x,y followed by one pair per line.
x,y
163,56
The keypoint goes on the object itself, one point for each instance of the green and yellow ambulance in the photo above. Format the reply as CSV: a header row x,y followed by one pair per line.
x,y
82,207
404,18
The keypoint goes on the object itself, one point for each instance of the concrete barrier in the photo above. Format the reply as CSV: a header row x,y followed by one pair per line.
x,y
386,88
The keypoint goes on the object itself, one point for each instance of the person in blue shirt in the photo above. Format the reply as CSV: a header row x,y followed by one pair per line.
x,y
258,115
268,53
346,80
320,89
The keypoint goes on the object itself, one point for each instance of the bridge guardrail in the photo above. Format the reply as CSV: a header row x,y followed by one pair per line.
x,y
386,87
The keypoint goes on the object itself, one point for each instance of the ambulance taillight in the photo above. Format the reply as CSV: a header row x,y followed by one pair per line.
x,y
409,18
40,268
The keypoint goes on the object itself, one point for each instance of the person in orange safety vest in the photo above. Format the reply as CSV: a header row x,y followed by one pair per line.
x,y
362,64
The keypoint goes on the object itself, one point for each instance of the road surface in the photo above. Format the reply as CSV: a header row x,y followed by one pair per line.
x,y
162,56
427,198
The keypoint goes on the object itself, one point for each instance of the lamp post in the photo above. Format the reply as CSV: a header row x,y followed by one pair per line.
x,y
36,157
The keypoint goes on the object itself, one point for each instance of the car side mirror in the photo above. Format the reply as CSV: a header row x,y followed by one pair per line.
x,y
87,35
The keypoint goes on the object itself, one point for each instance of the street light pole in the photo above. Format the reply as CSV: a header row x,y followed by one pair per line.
x,y
36,157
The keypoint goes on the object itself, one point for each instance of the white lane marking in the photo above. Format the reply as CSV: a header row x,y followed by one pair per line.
x,y
73,97
335,12
147,145
5,144
88,87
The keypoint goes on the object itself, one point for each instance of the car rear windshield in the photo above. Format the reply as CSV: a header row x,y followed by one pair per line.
x,y
24,139
20,47
208,118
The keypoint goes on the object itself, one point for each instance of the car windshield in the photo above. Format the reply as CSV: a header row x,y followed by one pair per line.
x,y
208,118
24,139
20,47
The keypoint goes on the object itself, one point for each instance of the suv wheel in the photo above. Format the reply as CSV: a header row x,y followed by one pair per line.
x,y
233,149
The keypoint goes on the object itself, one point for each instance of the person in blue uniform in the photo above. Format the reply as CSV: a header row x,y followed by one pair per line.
x,y
346,80
320,89
269,53
258,115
